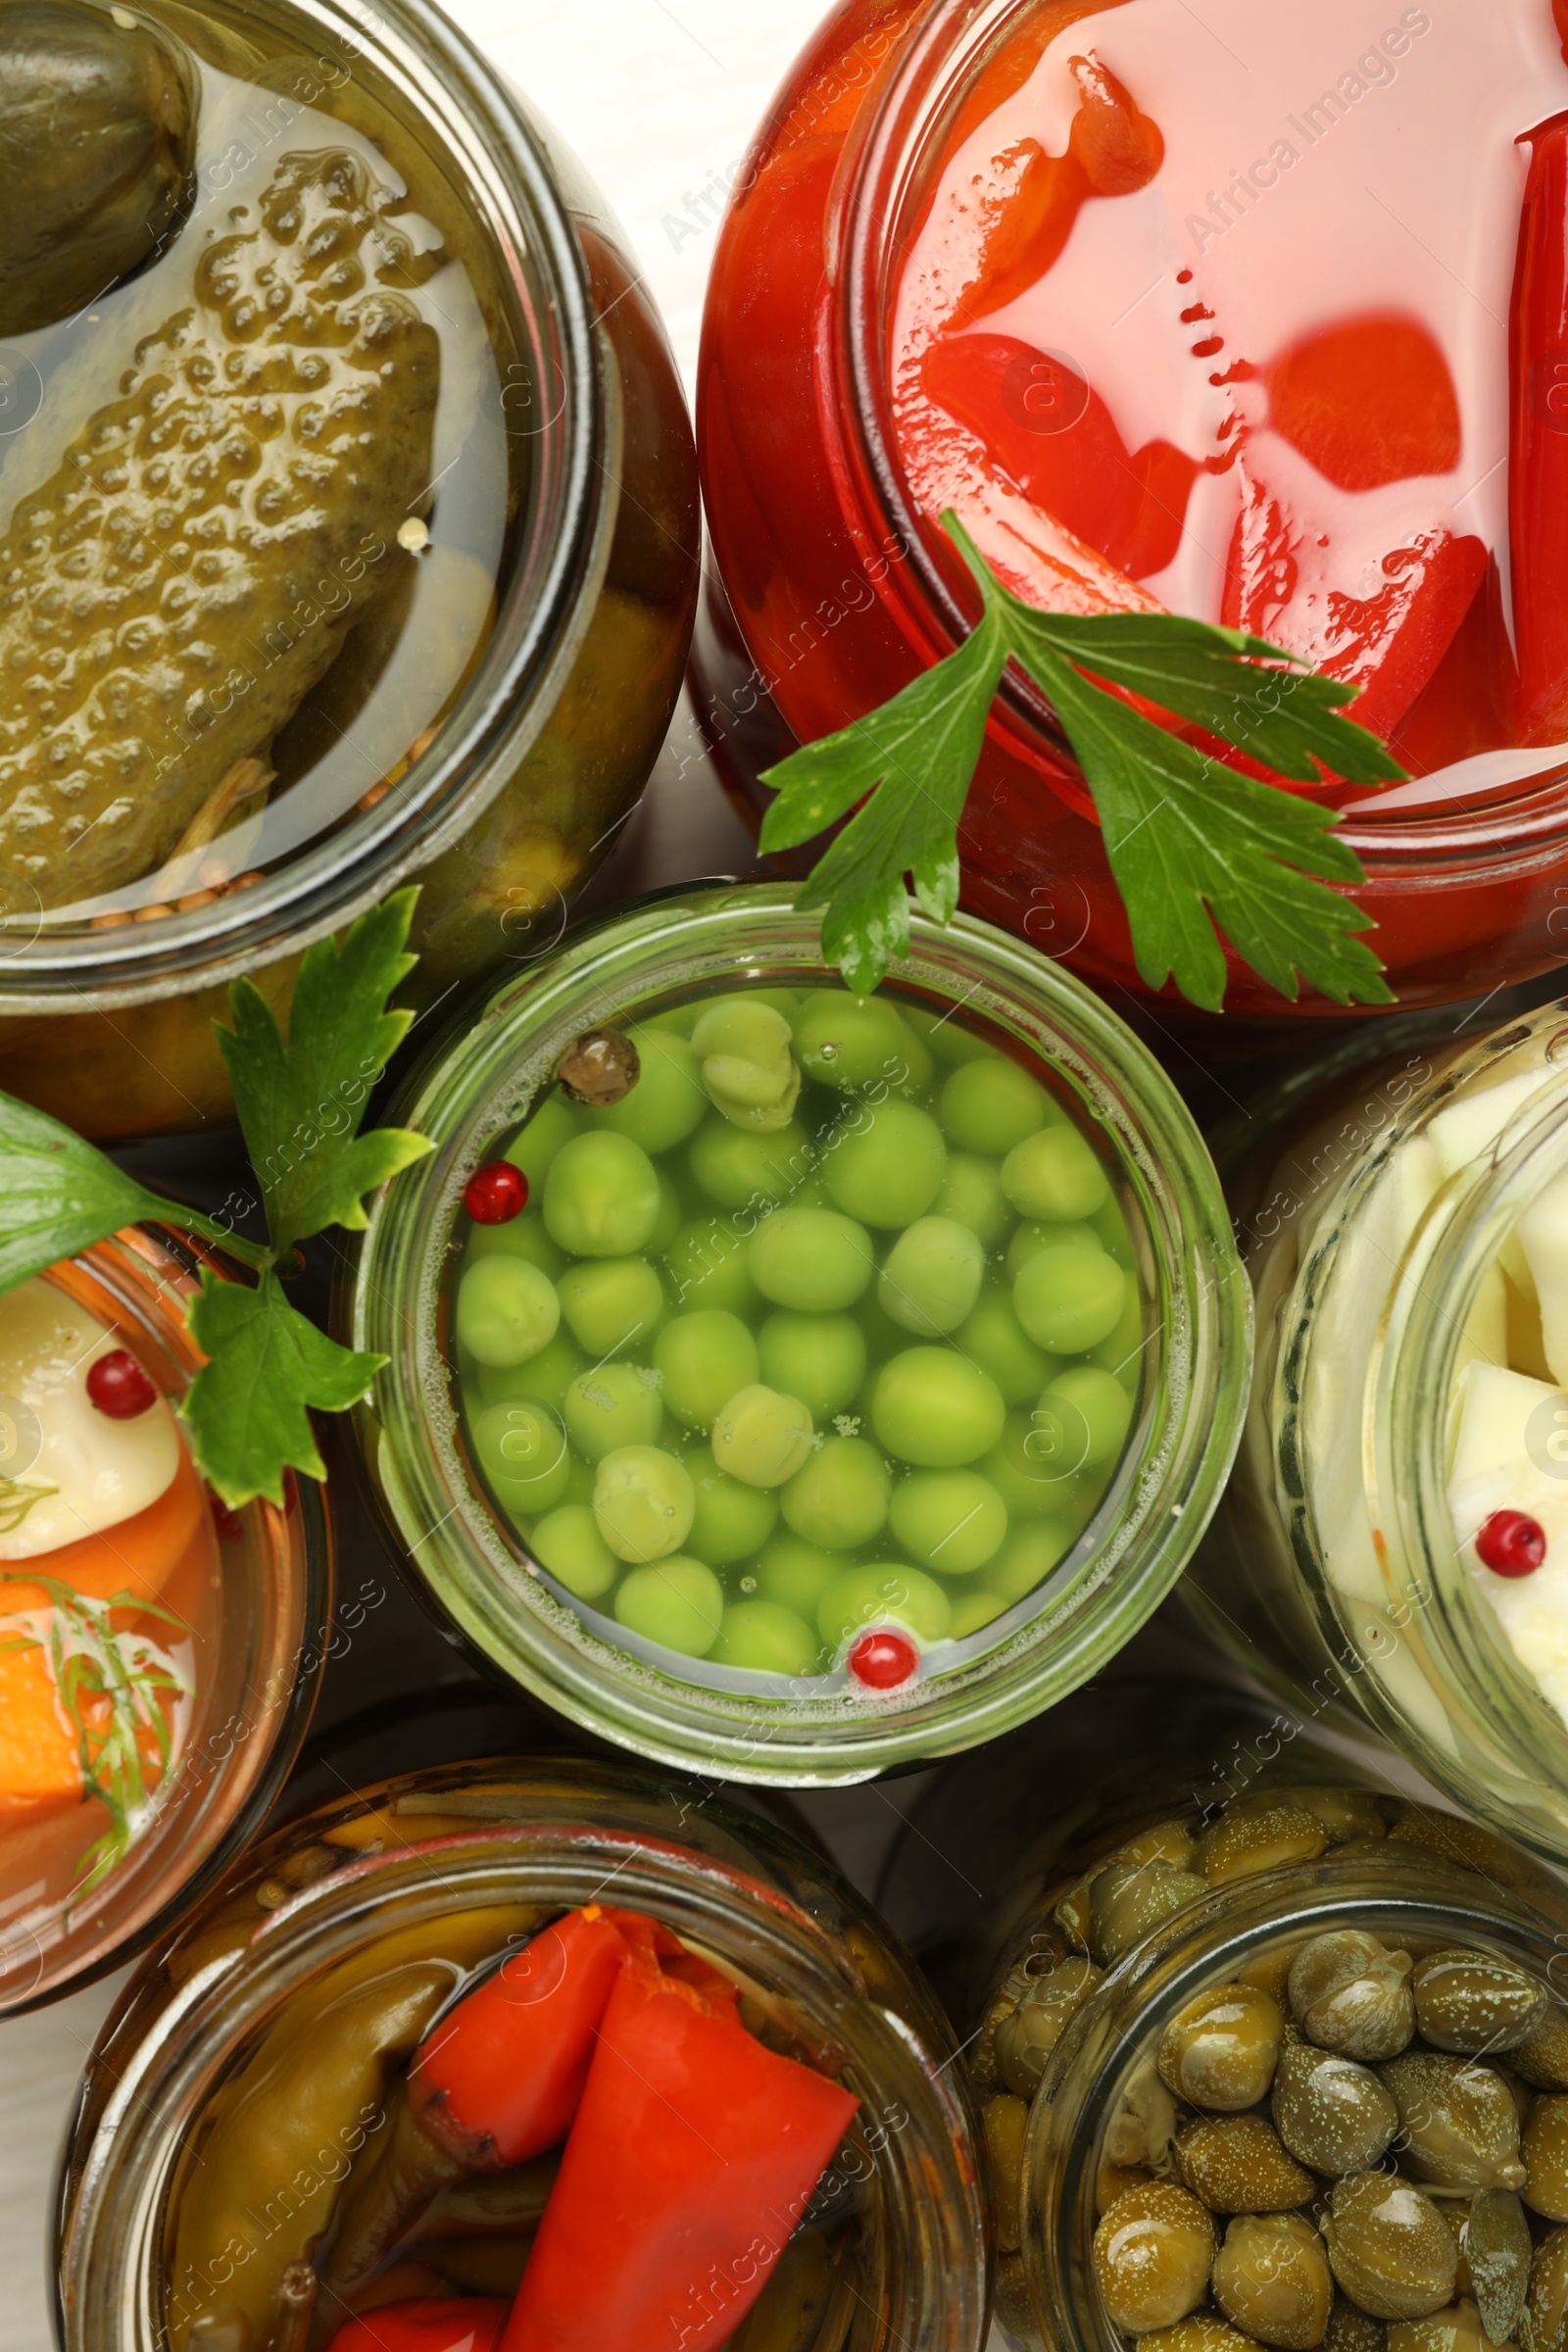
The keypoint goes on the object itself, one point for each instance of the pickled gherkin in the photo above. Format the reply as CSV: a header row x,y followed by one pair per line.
x,y
187,574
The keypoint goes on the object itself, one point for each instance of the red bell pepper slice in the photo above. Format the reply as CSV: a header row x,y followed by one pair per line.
x,y
1367,401
1538,456
499,2079
692,2156
463,2324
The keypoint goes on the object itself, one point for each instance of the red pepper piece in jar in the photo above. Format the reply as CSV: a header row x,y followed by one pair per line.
x,y
459,2324
692,2157
1367,401
1538,453
499,2079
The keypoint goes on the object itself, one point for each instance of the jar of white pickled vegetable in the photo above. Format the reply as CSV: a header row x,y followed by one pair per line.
x,y
1396,1538
788,1385
533,2055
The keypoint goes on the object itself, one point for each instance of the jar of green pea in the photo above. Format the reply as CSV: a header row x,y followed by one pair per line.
x,y
786,1382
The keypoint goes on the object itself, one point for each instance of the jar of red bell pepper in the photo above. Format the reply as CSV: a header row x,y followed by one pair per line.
x,y
1139,296
528,2054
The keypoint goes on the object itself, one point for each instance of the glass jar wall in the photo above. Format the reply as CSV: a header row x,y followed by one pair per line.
x,y
374,1912
454,660
863,1413
923,297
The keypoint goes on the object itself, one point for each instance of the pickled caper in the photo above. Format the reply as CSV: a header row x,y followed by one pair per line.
x,y
1460,2328
1463,1842
1547,2298
1270,1972
1006,2125
1543,2059
1467,2000
1237,2165
1271,2278
1167,1841
1142,2125
1350,2330
1461,2124
1250,1838
1330,2112
1030,2031
98,130
1131,1898
1203,2332
1494,2238
1344,1813
1352,1994
1153,2252
1220,2049
1390,2247
1544,2148
1113,2181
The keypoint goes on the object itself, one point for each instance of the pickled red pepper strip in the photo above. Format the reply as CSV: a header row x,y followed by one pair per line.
x,y
1537,463
459,2323
692,2156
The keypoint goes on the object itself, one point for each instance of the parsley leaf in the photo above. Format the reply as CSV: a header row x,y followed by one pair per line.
x,y
246,1408
1191,841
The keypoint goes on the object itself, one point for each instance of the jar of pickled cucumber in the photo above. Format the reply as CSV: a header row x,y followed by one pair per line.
x,y
1395,1544
1264,2059
785,1384
158,1652
473,2043
348,514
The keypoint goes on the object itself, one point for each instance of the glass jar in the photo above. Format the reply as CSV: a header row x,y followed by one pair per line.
x,y
223,1645
506,1844
835,586
1377,1208
515,628
1114,1548
1217,1838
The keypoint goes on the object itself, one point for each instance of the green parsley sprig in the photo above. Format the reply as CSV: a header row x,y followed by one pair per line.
x,y
301,1102
1192,844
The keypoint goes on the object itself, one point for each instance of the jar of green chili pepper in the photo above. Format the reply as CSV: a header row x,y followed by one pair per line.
x,y
787,1383
526,2028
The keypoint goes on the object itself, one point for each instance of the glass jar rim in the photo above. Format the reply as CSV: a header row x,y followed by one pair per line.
x,y
479,1077
501,163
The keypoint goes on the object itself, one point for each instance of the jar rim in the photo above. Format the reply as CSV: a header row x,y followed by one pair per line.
x,y
499,158
479,1078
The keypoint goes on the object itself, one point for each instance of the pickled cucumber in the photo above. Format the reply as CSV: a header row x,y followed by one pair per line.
x,y
191,570
97,129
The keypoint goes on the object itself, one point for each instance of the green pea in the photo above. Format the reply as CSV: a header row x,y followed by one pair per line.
x,y
839,1498
667,1222
554,1123
749,1070
882,1591
667,1100
567,1543
601,1197
580,1486
796,1575
932,1407
608,1303
994,1339
610,1405
888,1167
1115,1239
1028,1486
733,1520
1029,1239
846,1043
991,1104
1069,1300
703,1358
1027,1558
950,1520
1122,1353
735,1167
971,1194
1093,1413
521,1449
942,1034
812,1259
1054,1173
973,1611
507,1310
932,1276
545,1377
819,1358
761,1436
678,1021
676,1602
710,1268
644,1501
523,1237
759,1638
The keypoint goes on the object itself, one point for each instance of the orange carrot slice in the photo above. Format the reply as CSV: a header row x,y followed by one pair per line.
x,y
137,1555
39,1758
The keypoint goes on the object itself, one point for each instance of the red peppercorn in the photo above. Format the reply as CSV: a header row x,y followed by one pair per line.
x,y
884,1658
495,1193
1512,1543
119,1387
